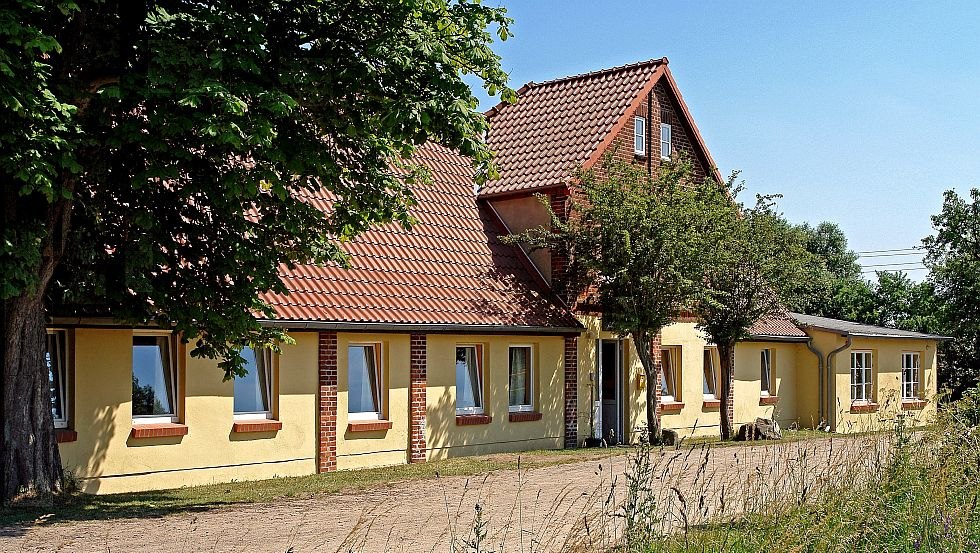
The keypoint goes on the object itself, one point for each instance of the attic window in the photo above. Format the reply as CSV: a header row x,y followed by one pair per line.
x,y
664,141
639,136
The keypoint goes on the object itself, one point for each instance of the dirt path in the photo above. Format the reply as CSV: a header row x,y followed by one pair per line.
x,y
556,508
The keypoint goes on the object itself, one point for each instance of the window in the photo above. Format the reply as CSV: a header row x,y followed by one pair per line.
x,y
765,368
469,380
56,357
253,392
710,373
639,136
521,378
910,375
364,382
665,141
861,376
670,360
154,379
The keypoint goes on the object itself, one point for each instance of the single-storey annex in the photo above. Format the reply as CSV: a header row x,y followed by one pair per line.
x,y
443,341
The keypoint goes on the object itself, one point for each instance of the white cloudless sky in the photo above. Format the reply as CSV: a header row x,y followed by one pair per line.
x,y
860,113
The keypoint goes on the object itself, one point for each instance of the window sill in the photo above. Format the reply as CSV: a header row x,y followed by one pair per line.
x,y
368,426
257,425
914,404
158,430
63,435
711,404
524,416
672,406
864,407
467,420
768,400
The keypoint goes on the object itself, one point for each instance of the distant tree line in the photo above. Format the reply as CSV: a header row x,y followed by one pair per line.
x,y
946,302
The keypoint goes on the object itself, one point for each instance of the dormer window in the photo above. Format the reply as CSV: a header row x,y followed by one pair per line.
x,y
665,141
639,136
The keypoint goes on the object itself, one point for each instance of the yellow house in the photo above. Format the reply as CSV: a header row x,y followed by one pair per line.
x,y
443,341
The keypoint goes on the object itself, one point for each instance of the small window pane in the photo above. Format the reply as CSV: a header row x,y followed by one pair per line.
x,y
709,372
668,374
55,358
363,380
252,391
665,140
153,376
520,376
639,136
469,381
766,370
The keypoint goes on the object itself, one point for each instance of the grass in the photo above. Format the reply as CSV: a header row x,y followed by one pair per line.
x,y
80,506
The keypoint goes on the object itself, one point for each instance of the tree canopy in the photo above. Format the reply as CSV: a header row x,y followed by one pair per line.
x,y
161,161
637,244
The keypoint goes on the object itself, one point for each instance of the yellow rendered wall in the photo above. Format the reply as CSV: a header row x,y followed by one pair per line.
x,y
106,460
791,361
445,439
384,447
792,364
887,375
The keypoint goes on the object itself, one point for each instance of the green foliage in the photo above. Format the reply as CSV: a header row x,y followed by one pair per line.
x,y
953,258
760,263
193,142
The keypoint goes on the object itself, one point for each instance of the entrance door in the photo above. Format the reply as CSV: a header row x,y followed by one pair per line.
x,y
611,388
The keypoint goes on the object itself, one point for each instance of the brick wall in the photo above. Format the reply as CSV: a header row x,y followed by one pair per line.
x,y
327,443
657,355
417,403
571,391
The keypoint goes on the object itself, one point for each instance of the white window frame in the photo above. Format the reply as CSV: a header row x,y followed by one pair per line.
x,y
915,370
480,371
62,422
671,380
530,382
712,353
379,361
665,141
867,387
640,136
174,375
270,388
765,366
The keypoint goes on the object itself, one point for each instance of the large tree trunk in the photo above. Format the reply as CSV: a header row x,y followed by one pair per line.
x,y
29,459
726,353
642,342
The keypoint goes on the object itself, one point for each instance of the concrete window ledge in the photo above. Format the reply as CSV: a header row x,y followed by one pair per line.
x,y
368,426
864,407
467,420
524,416
160,430
768,400
267,425
63,435
711,404
671,406
913,404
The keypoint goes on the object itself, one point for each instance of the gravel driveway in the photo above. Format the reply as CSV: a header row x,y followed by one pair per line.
x,y
556,508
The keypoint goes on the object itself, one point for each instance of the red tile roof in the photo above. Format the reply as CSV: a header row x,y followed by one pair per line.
x,y
448,269
558,125
777,326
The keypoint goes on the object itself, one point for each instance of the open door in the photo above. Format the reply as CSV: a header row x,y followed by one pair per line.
x,y
610,370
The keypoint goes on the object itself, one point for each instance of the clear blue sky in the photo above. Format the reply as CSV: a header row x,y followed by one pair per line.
x,y
860,113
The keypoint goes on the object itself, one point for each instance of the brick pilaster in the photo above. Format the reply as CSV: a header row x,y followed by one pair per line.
x,y
658,361
417,404
559,257
571,391
327,367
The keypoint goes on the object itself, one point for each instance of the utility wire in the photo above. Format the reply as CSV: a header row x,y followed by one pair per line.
x,y
895,264
894,250
891,254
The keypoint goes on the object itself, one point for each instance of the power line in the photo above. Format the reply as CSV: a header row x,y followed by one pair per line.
x,y
894,270
915,248
891,254
918,263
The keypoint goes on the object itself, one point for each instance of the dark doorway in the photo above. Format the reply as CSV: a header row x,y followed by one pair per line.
x,y
611,389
